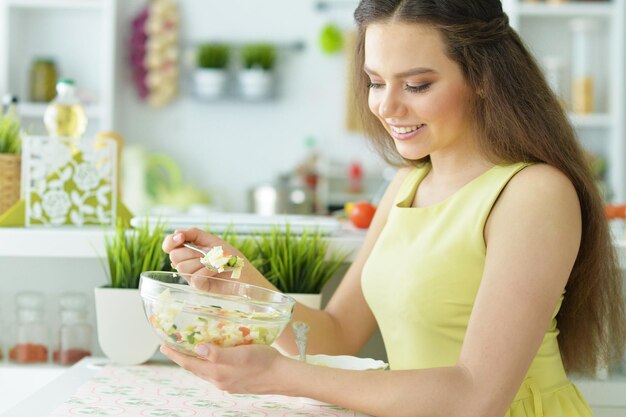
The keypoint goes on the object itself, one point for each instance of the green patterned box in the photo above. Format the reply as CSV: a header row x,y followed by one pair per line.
x,y
69,181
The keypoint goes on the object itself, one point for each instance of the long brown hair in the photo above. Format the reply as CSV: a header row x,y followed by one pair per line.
x,y
518,119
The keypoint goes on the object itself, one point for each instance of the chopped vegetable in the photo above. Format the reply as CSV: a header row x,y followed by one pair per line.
x,y
221,261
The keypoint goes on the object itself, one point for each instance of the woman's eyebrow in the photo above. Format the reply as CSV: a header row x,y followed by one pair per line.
x,y
408,73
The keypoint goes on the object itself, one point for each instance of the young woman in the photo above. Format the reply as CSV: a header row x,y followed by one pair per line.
x,y
488,266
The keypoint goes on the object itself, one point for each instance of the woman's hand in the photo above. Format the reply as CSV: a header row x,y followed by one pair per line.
x,y
238,370
187,261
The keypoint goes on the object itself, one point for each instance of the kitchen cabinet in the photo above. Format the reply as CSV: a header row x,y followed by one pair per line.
x,y
546,28
79,35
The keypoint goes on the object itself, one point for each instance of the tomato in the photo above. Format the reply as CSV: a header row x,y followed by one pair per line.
x,y
361,214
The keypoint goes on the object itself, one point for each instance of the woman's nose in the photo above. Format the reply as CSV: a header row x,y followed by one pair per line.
x,y
391,105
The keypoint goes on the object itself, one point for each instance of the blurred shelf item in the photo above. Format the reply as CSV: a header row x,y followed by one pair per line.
x,y
322,5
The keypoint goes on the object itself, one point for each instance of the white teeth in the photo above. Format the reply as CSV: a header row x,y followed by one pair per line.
x,y
405,129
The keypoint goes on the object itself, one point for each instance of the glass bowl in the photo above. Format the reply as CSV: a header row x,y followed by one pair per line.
x,y
231,313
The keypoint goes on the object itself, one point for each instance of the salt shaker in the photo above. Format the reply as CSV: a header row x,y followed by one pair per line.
x,y
75,335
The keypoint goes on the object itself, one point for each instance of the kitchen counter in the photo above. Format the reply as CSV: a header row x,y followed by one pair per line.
x,y
72,242
138,389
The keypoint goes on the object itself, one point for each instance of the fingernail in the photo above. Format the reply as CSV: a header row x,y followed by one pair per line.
x,y
202,350
178,237
162,348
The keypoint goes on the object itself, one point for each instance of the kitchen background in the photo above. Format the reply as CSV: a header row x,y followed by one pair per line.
x,y
225,148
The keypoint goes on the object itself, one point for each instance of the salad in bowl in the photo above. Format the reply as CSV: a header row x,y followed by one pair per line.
x,y
231,313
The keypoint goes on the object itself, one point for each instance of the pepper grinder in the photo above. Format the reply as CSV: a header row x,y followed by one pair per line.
x,y
301,329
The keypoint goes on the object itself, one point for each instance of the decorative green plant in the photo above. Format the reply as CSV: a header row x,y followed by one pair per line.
x,y
10,136
213,55
294,263
130,251
258,55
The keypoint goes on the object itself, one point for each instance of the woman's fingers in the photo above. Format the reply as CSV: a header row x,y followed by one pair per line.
x,y
183,254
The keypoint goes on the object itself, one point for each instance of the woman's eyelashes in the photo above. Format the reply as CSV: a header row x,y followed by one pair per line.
x,y
417,88
374,86
410,88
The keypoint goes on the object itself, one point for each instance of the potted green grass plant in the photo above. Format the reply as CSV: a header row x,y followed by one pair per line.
x,y
256,75
211,76
124,334
297,264
10,161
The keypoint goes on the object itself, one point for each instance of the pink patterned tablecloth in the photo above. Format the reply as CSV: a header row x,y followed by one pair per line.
x,y
170,391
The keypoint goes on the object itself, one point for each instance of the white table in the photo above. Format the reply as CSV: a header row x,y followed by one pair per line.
x,y
54,394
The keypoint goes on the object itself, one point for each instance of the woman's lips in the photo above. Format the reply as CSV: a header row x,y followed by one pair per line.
x,y
398,135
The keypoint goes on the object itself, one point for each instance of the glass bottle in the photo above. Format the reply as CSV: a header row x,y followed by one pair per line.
x,y
552,67
43,77
65,115
583,32
9,106
31,336
75,334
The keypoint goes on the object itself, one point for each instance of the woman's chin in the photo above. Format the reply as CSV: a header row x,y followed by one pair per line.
x,y
410,153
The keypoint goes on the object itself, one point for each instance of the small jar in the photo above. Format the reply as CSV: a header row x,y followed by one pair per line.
x,y
31,336
583,71
43,79
75,334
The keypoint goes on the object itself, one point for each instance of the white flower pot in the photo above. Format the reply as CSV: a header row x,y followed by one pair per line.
x,y
210,83
309,300
124,333
255,84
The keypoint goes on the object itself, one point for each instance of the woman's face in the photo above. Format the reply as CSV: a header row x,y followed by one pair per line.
x,y
416,91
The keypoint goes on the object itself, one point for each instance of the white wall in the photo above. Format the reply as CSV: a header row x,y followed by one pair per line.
x,y
229,145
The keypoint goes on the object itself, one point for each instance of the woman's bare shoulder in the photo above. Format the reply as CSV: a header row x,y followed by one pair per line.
x,y
541,179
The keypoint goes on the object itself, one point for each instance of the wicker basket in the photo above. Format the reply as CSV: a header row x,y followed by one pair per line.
x,y
10,165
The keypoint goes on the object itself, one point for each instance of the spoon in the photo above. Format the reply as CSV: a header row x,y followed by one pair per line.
x,y
203,261
301,329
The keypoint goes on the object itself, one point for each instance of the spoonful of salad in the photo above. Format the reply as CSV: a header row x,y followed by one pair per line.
x,y
217,260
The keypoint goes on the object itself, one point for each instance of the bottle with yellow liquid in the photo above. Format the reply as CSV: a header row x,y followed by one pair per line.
x,y
65,115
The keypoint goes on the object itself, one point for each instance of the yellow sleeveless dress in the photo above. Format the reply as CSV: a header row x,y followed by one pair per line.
x,y
422,278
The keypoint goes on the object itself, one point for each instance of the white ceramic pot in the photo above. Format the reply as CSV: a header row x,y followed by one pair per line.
x,y
210,83
309,300
255,84
124,334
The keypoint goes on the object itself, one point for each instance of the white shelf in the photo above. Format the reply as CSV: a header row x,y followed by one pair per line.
x,y
604,393
52,243
88,243
36,110
595,120
566,10
55,4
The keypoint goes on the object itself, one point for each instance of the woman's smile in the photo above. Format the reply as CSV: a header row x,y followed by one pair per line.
x,y
403,133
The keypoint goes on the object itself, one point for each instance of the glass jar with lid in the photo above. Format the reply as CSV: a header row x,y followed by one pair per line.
x,y
31,332
583,64
43,79
75,334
